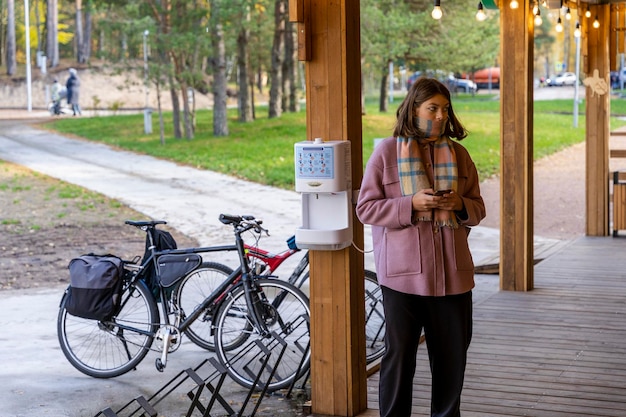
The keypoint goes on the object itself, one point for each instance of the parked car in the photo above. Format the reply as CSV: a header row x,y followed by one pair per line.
x,y
462,85
438,74
487,78
565,78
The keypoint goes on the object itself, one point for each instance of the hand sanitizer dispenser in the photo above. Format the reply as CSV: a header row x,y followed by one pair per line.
x,y
324,178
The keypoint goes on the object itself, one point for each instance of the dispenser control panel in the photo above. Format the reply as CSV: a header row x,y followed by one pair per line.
x,y
322,166
316,162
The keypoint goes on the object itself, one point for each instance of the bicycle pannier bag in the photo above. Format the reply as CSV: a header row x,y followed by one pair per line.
x,y
95,286
174,267
163,240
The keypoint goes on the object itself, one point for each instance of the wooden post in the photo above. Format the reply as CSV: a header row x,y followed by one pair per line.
x,y
516,142
598,110
333,97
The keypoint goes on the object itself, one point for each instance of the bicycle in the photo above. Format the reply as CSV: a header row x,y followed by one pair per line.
x,y
252,308
264,263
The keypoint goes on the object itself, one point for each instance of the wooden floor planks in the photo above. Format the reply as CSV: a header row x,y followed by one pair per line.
x,y
556,351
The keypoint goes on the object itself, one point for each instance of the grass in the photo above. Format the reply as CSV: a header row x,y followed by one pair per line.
x,y
262,151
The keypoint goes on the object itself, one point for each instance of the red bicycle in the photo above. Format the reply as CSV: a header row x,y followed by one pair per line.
x,y
263,263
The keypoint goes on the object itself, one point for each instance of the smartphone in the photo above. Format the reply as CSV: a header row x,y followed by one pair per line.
x,y
442,192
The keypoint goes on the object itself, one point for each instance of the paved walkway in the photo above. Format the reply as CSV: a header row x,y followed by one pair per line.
x,y
40,381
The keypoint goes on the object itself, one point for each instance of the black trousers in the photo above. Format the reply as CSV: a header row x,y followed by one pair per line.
x,y
447,324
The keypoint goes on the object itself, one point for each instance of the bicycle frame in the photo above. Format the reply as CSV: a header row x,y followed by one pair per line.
x,y
272,261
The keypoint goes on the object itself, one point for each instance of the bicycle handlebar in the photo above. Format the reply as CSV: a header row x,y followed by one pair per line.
x,y
243,223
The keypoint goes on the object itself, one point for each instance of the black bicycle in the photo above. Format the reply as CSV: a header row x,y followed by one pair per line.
x,y
195,287
250,316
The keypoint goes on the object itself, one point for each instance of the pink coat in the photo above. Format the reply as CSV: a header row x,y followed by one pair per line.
x,y
412,257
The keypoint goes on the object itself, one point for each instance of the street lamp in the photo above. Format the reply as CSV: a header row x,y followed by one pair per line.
x,y
145,63
147,113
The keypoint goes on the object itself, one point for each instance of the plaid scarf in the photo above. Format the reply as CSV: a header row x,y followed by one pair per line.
x,y
413,176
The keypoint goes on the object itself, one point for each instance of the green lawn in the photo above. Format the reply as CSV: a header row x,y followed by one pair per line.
x,y
262,151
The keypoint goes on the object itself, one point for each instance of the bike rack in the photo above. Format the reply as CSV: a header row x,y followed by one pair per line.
x,y
213,383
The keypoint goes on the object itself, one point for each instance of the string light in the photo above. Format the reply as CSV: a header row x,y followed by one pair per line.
x,y
596,23
513,4
577,30
538,20
480,13
559,25
437,13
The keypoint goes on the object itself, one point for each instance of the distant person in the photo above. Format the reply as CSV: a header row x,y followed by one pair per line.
x,y
55,92
73,92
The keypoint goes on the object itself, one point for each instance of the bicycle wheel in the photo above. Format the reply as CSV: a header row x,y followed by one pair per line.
x,y
192,291
106,349
374,318
286,311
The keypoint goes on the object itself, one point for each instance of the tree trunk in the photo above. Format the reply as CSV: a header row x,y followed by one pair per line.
x,y
275,100
382,104
291,67
11,51
220,118
52,31
187,115
243,66
86,47
175,110
78,31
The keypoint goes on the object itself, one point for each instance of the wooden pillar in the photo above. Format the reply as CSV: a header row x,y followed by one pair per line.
x,y
516,142
595,51
329,41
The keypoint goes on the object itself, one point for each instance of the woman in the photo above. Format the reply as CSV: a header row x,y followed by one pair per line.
x,y
73,91
420,192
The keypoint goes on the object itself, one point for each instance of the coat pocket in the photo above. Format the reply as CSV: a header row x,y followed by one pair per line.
x,y
463,256
402,251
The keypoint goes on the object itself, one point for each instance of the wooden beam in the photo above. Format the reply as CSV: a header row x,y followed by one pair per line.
x,y
333,97
617,153
516,140
597,125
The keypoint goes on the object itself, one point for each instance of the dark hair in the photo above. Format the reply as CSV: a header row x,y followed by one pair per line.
x,y
422,90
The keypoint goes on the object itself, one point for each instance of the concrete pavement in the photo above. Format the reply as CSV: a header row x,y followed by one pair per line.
x,y
38,380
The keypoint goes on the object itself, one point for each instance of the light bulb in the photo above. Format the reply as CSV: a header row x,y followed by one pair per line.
x,y
436,13
513,4
568,14
577,30
559,25
480,13
535,9
596,23
588,13
538,20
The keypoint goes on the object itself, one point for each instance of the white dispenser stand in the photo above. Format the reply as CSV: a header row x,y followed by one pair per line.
x,y
324,177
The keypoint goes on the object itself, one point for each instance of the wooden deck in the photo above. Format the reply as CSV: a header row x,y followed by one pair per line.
x,y
559,350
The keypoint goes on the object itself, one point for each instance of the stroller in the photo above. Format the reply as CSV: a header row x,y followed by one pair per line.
x,y
54,107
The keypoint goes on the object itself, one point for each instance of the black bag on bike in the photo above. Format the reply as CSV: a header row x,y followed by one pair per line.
x,y
95,286
174,267
163,240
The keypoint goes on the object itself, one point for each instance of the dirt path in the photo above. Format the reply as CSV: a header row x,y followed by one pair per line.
x,y
559,192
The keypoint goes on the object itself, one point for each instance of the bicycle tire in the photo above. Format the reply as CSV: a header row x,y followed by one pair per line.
x,y
374,316
236,338
374,319
192,291
102,349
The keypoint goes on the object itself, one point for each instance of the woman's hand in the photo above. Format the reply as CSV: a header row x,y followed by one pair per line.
x,y
425,200
451,201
